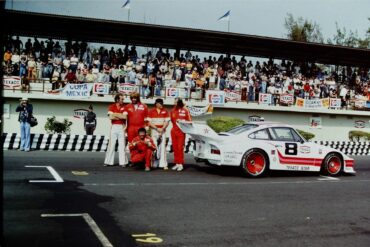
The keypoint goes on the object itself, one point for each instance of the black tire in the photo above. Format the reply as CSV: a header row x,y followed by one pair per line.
x,y
332,165
255,163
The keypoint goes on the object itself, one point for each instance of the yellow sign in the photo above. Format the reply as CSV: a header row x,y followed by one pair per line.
x,y
147,238
80,173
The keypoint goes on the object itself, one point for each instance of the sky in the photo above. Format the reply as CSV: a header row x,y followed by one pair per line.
x,y
253,17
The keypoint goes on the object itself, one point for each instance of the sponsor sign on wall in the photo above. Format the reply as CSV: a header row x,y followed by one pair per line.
x,y
312,103
287,99
215,97
200,110
315,122
79,113
11,81
173,92
233,96
335,103
100,88
265,99
360,104
127,88
72,91
360,124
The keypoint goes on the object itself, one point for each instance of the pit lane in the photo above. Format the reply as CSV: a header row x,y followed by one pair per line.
x,y
201,206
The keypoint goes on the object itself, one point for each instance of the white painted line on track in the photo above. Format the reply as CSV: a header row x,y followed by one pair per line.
x,y
90,221
57,178
221,183
327,178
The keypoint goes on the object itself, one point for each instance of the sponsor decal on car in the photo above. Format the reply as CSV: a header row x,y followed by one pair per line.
x,y
304,149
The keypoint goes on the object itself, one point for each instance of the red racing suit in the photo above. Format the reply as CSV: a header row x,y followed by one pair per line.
x,y
177,136
136,119
140,151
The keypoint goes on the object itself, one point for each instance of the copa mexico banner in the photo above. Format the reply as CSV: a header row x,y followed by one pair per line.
x,y
11,81
100,88
335,103
72,91
196,111
127,88
265,99
215,97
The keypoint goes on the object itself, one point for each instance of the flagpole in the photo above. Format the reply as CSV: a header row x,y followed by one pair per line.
x,y
129,14
228,25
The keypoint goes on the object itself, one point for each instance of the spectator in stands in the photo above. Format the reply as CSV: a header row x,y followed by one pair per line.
x,y
31,69
70,77
142,148
7,56
74,63
25,113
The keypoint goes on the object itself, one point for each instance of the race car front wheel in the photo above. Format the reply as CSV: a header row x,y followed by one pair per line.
x,y
255,163
332,165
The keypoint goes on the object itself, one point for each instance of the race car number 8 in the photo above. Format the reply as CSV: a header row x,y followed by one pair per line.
x,y
291,148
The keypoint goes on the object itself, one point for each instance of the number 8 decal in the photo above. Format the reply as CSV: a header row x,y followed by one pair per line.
x,y
291,148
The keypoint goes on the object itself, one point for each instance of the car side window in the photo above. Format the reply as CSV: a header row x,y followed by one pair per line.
x,y
260,135
283,134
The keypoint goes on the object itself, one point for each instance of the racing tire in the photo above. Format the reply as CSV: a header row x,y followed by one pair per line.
x,y
332,165
255,163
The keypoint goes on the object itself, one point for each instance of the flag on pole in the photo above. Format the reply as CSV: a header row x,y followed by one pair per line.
x,y
126,5
225,17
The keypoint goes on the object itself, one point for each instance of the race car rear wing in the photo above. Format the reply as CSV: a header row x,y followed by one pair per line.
x,y
198,131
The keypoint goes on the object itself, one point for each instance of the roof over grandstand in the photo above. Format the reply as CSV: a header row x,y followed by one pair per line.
x,y
119,32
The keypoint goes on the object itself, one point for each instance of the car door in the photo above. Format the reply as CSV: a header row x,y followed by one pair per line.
x,y
293,152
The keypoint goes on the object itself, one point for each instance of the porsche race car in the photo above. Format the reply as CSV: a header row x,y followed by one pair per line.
x,y
258,147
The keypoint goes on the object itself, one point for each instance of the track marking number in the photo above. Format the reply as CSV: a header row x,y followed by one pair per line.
x,y
150,238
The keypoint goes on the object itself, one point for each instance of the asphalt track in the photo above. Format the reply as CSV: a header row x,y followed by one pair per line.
x,y
201,206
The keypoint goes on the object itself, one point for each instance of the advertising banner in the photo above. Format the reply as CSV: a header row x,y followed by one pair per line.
x,y
335,103
265,99
11,81
173,92
127,88
315,123
233,96
72,91
215,97
80,113
312,103
360,104
287,99
200,110
100,88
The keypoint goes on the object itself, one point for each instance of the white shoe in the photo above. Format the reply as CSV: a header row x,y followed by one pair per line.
x,y
175,167
180,168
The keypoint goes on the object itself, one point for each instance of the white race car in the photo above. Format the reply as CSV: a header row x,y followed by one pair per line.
x,y
258,147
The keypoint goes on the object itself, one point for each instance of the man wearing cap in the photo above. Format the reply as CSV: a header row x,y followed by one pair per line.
x,y
159,118
117,115
137,116
90,121
25,112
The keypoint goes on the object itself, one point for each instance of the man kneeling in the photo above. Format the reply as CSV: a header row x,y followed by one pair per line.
x,y
142,148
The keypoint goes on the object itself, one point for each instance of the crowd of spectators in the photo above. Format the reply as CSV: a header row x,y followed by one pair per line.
x,y
75,62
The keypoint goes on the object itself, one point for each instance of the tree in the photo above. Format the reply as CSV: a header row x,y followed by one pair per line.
x,y
351,38
53,126
302,30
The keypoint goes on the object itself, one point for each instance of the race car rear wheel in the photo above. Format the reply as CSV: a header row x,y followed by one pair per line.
x,y
255,163
332,165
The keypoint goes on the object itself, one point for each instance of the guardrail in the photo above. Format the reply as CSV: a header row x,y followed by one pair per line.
x,y
99,143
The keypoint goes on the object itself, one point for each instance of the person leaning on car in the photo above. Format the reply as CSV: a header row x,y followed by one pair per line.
x,y
25,113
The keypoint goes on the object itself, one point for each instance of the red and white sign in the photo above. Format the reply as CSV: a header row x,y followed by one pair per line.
x,y
233,96
287,99
265,99
127,88
79,113
11,81
101,88
335,103
172,92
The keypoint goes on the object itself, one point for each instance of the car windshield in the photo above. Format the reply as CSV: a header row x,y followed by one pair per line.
x,y
242,128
